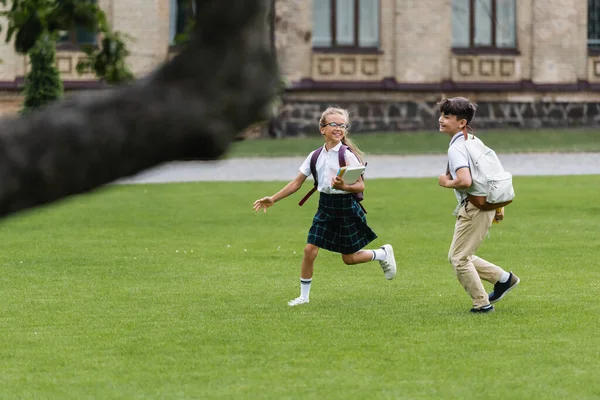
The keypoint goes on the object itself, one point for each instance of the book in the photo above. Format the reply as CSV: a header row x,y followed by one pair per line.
x,y
351,174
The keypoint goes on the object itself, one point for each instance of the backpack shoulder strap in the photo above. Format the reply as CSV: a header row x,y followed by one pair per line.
x,y
342,155
313,171
313,164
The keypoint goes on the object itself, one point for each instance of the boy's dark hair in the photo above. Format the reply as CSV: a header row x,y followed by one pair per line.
x,y
461,107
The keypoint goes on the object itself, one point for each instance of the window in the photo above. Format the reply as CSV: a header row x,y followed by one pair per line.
x,y
345,23
79,35
484,24
181,13
594,24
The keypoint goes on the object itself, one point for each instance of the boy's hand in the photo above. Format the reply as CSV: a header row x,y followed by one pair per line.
x,y
444,179
499,215
337,183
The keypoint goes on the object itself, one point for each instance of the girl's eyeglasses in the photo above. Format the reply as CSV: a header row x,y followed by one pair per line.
x,y
335,124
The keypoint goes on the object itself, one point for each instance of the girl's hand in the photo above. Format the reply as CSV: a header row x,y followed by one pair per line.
x,y
338,183
263,203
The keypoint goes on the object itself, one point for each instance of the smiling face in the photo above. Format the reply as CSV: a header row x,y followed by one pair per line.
x,y
334,134
450,124
455,114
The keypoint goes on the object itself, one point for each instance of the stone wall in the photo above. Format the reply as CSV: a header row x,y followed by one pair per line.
x,y
10,104
422,40
146,26
299,118
559,35
293,41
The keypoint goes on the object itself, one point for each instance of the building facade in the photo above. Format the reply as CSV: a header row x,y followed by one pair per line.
x,y
527,63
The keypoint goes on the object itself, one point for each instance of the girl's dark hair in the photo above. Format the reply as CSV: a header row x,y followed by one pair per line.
x,y
461,107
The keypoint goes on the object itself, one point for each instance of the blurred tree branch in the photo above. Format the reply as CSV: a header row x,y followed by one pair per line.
x,y
224,79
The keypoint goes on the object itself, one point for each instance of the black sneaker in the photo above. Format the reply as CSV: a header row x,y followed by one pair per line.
x,y
483,310
500,289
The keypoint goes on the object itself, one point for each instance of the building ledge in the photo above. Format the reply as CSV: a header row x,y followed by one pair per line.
x,y
347,50
19,83
484,51
390,84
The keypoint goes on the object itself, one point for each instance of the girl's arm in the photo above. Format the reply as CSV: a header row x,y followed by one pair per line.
x,y
287,190
356,187
290,188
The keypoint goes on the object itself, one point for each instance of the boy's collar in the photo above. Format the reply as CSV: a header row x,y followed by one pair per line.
x,y
456,136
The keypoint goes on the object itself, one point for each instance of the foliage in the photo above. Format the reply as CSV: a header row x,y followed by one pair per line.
x,y
189,7
42,84
30,20
108,60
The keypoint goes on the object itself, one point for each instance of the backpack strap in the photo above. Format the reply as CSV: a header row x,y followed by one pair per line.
x,y
313,171
342,155
313,164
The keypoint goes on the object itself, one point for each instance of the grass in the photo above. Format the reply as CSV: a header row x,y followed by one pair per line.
x,y
179,291
430,142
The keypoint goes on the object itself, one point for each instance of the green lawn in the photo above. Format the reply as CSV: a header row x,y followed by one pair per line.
x,y
430,142
179,291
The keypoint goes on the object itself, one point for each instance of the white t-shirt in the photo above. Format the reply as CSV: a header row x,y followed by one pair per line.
x,y
457,159
327,167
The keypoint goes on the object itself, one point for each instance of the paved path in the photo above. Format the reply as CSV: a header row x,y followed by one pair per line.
x,y
285,169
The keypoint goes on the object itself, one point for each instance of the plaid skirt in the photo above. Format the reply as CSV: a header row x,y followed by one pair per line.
x,y
340,225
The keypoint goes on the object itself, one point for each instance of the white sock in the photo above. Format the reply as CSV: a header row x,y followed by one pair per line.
x,y
378,255
305,287
504,277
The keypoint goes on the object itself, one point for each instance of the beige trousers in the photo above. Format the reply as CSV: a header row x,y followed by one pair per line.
x,y
471,227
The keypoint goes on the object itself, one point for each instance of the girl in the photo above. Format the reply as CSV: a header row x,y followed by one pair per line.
x,y
340,224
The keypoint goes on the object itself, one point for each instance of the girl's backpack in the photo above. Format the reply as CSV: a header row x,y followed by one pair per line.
x,y
313,169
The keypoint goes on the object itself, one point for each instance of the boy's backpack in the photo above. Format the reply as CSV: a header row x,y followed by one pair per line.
x,y
492,186
313,169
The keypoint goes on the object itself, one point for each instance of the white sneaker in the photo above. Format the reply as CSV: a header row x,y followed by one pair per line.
x,y
297,301
388,264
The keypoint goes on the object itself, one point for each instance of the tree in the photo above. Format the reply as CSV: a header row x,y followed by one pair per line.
x,y
223,80
36,23
42,83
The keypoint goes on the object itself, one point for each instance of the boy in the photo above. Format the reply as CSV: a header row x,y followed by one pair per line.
x,y
472,224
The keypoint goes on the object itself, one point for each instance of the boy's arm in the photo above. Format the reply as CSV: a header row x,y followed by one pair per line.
x,y
463,179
